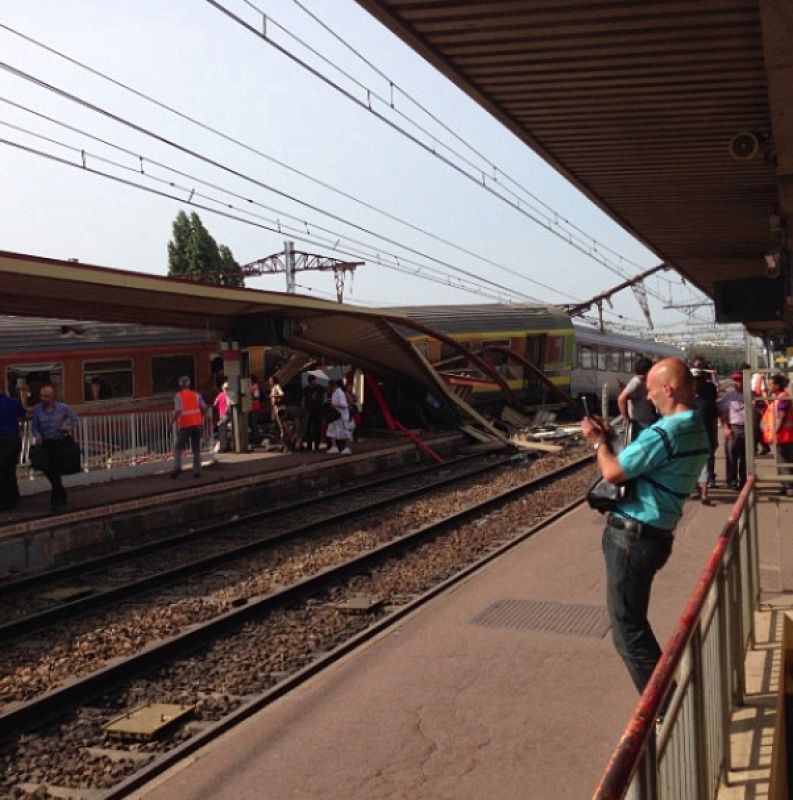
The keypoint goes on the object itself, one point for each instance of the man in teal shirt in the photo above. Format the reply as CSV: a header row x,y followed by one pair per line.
x,y
662,464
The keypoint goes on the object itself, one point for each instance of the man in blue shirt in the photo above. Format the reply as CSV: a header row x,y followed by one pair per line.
x,y
11,414
662,464
50,422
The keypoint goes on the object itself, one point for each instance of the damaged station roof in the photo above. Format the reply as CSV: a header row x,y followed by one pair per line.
x,y
344,334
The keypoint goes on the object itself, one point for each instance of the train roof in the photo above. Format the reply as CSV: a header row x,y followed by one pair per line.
x,y
30,335
587,335
488,317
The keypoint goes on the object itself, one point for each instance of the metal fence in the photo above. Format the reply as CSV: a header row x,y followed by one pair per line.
x,y
122,439
698,681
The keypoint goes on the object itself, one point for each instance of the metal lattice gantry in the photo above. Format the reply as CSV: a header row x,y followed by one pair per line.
x,y
290,261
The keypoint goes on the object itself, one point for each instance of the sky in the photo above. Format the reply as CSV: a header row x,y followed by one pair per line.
x,y
189,55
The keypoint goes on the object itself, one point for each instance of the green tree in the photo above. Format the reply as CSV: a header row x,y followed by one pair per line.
x,y
177,247
230,270
194,254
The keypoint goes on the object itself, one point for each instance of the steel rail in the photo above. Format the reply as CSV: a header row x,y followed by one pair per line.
x,y
43,619
57,702
46,577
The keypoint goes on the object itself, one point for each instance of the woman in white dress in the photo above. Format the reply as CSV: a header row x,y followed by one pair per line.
x,y
338,430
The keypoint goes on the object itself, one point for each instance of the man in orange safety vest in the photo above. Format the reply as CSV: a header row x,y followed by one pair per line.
x,y
777,427
188,416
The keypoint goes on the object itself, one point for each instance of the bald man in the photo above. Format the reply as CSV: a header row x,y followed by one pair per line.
x,y
663,464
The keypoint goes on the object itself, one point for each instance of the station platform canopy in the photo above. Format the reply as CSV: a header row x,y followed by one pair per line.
x,y
344,334
672,116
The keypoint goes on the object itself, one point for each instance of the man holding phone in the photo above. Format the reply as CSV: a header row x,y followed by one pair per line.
x,y
663,464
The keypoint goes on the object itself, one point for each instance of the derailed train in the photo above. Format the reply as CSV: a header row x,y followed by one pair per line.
x,y
575,358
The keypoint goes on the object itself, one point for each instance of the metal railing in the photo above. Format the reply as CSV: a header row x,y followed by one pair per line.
x,y
698,680
122,439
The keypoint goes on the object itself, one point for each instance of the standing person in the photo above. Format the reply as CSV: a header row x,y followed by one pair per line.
x,y
256,409
276,397
662,465
188,415
759,389
12,412
50,423
311,402
708,410
221,403
732,411
777,426
338,432
636,409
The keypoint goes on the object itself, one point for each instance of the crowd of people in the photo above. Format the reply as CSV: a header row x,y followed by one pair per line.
x,y
324,416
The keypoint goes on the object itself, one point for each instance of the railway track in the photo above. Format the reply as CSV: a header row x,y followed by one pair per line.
x,y
235,662
37,601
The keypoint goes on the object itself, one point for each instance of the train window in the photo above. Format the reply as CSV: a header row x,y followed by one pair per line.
x,y
586,356
602,358
23,381
103,380
627,361
614,361
166,371
554,350
495,353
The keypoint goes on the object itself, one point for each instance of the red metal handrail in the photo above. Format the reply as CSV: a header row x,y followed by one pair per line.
x,y
625,758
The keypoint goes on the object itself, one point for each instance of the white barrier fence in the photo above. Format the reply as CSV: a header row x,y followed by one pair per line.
x,y
122,439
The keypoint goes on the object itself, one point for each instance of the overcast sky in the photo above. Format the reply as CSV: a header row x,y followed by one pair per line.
x,y
189,55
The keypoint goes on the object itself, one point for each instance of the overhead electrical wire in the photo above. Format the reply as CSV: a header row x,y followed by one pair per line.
x,y
279,162
480,179
494,168
420,272
333,242
213,162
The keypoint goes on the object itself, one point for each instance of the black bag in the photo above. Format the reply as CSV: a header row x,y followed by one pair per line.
x,y
62,455
330,414
68,456
602,495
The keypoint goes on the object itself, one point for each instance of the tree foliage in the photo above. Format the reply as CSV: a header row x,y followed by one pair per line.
x,y
195,255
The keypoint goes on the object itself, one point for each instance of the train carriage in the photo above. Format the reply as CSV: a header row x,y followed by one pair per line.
x,y
575,358
605,359
97,366
507,336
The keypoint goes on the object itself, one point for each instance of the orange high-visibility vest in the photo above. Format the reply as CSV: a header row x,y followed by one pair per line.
x,y
191,409
771,416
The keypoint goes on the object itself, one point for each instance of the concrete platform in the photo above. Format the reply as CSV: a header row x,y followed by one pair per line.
x,y
441,708
32,538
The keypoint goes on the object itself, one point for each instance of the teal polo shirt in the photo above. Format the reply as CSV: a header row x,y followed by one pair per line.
x,y
663,464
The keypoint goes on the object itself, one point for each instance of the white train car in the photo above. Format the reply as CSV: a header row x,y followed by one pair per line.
x,y
607,360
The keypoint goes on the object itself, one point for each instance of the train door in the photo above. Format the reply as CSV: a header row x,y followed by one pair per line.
x,y
25,380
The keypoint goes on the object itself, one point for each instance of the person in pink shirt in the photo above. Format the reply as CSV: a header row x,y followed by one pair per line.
x,y
222,405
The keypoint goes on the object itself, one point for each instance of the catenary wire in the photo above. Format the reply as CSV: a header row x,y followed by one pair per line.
x,y
450,282
480,179
494,167
333,241
280,163
195,154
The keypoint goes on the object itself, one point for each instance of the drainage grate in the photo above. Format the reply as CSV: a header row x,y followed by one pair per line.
x,y
542,615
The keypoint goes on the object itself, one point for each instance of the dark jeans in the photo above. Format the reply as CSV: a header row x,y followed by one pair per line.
x,y
49,466
312,425
184,437
10,447
735,451
784,455
631,564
